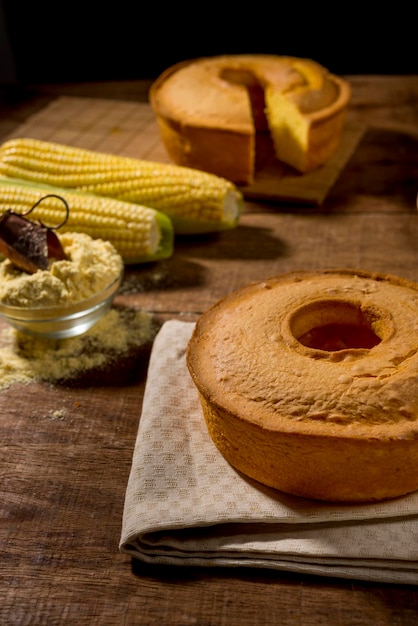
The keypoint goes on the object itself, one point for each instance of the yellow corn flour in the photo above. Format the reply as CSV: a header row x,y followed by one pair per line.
x,y
121,332
91,266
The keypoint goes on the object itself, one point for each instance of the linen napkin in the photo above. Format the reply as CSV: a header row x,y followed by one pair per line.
x,y
185,505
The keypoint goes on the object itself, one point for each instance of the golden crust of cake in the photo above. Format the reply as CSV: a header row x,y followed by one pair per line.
x,y
309,383
210,109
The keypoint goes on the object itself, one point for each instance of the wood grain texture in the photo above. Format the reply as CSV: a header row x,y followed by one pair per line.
x,y
66,452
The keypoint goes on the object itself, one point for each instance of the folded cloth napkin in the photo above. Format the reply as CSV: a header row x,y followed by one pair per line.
x,y
185,505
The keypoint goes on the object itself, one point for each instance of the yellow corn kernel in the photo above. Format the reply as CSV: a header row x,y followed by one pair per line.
x,y
195,201
138,233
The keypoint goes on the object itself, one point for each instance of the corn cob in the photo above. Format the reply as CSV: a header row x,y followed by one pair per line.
x,y
195,201
138,233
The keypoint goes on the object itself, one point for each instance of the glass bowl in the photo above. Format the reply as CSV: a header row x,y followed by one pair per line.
x,y
61,322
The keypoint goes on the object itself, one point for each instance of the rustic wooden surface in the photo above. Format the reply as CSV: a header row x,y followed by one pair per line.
x,y
66,452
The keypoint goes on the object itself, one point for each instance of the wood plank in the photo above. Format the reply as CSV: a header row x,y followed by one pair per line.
x,y
204,269
64,484
67,451
62,535
275,181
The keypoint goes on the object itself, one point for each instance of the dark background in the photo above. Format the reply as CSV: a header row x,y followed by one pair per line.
x,y
75,41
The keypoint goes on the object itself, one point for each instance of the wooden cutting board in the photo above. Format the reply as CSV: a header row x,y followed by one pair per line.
x,y
275,181
130,129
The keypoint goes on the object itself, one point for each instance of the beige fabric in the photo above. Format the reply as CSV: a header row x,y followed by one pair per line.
x,y
185,505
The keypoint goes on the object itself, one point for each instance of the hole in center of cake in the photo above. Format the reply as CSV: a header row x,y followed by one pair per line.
x,y
334,325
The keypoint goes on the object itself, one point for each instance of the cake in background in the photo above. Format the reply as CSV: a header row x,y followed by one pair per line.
x,y
211,111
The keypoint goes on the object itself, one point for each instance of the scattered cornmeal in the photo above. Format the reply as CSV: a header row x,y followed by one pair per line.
x,y
108,353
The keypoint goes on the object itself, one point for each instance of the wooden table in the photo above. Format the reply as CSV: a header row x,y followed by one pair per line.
x,y
60,559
